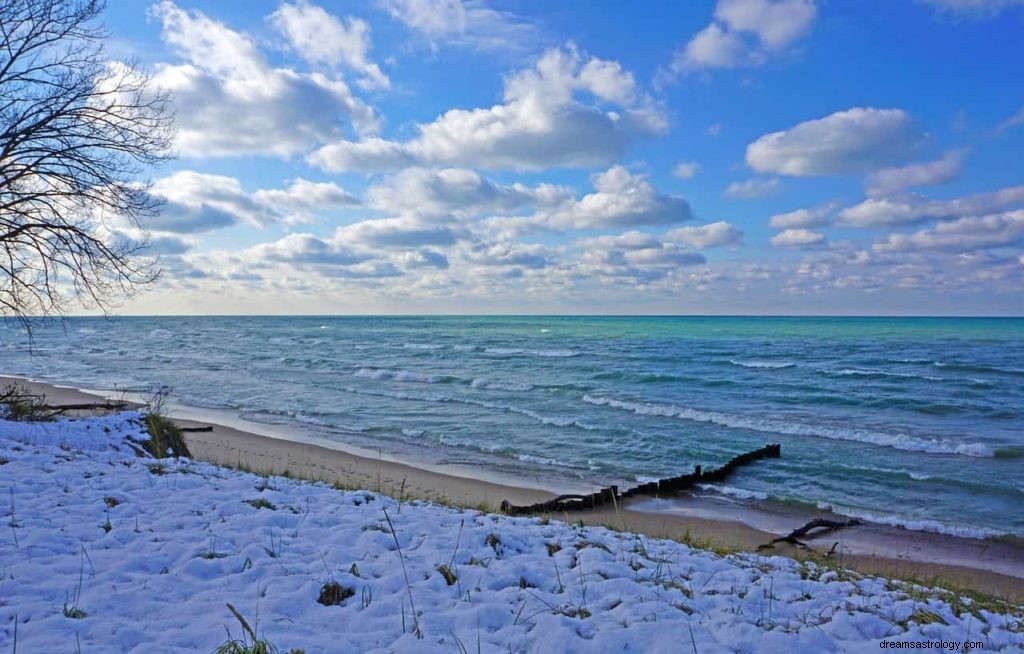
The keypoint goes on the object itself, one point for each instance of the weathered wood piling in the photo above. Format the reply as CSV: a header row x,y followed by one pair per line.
x,y
611,495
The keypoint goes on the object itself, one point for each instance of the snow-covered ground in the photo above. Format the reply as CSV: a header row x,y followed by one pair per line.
x,y
103,551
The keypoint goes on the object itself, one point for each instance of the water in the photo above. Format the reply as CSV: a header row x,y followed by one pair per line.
x,y
917,422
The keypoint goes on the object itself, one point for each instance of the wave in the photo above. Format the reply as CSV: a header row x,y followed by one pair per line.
x,y
441,398
730,491
397,375
977,367
933,526
422,346
484,383
160,334
768,425
774,365
516,351
861,372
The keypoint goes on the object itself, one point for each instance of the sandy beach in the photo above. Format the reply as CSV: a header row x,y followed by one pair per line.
x,y
991,566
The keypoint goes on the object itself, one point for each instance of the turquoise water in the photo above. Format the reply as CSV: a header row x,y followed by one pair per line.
x,y
918,422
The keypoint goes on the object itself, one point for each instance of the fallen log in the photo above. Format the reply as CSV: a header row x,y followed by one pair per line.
x,y
669,485
825,527
88,406
195,429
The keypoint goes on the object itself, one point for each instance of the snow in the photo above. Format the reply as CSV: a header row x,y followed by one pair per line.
x,y
151,551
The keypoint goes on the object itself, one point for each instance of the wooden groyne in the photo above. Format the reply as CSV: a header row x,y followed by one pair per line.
x,y
612,495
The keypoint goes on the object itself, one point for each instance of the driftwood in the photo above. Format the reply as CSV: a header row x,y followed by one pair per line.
x,y
89,406
611,494
823,526
195,429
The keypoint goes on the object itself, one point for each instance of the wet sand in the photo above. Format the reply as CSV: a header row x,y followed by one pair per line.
x,y
991,566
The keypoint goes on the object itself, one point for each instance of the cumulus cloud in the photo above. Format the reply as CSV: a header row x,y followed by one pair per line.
x,y
854,141
322,38
199,202
567,110
752,188
711,235
458,191
686,169
798,238
943,170
910,210
402,232
962,235
230,101
803,218
457,23
745,33
620,199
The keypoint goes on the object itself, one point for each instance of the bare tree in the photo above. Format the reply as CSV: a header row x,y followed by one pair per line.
x,y
76,132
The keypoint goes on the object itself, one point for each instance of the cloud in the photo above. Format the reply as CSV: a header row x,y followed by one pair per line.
x,y
745,33
321,38
631,257
803,218
798,238
712,235
910,210
620,199
231,102
963,235
200,202
458,191
943,170
686,169
973,8
1015,120
567,110
467,24
752,188
854,141
402,232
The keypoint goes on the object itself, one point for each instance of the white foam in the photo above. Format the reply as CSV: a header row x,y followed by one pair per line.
x,y
422,346
897,441
763,364
933,526
484,383
160,334
396,375
738,493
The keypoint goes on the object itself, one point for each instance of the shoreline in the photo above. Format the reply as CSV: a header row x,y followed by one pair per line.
x,y
992,566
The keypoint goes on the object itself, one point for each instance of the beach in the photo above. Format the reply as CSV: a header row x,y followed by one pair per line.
x,y
991,566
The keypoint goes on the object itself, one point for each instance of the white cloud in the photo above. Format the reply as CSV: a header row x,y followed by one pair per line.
x,y
932,173
321,38
798,238
1015,120
909,210
403,233
230,101
847,142
963,235
459,191
802,218
745,33
468,24
555,114
974,8
711,235
686,169
752,188
620,199
199,202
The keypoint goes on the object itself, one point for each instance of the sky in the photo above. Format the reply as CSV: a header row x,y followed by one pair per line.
x,y
476,156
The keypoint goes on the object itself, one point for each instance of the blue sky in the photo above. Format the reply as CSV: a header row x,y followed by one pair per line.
x,y
447,156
